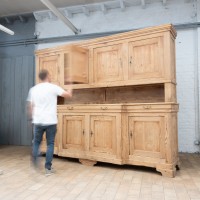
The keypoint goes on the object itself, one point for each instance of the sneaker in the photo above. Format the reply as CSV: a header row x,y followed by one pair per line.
x,y
49,172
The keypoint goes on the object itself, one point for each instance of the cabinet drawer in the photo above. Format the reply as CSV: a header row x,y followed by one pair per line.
x,y
90,108
151,107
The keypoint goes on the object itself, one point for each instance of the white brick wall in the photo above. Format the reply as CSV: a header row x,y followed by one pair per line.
x,y
177,12
185,72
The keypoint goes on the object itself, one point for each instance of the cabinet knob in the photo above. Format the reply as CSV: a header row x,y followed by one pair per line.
x,y
130,60
147,107
131,134
83,131
91,133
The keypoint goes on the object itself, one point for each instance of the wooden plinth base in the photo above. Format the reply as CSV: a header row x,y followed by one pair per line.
x,y
87,162
168,173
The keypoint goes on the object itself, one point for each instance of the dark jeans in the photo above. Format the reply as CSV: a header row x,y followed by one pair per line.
x,y
50,137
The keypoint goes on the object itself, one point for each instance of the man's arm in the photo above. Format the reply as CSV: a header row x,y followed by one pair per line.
x,y
67,94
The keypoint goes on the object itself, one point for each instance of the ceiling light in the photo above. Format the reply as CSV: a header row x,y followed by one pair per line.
x,y
3,28
49,5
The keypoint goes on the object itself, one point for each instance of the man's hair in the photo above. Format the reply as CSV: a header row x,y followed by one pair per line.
x,y
43,74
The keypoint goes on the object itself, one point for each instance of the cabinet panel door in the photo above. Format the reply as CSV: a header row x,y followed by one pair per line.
x,y
52,64
146,136
73,132
146,59
103,134
108,64
75,66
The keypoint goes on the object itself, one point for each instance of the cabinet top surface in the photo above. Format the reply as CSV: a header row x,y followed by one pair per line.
x,y
66,47
125,35
130,34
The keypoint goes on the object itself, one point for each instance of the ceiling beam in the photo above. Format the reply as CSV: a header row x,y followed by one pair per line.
x,y
8,20
37,16
143,3
122,5
49,5
52,16
103,8
164,2
68,13
86,11
22,19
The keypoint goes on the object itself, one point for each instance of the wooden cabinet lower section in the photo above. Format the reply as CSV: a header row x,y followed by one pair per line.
x,y
136,134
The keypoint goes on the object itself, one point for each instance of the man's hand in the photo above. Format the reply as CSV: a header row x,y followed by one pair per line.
x,y
29,110
67,94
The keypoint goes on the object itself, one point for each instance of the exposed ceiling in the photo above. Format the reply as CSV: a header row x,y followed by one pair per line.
x,y
16,7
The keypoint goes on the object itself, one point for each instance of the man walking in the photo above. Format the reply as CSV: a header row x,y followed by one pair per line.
x,y
42,107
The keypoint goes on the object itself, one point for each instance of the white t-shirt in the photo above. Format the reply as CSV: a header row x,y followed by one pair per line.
x,y
43,96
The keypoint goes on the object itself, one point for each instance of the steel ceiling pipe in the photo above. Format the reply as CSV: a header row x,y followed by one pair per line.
x,y
49,5
6,30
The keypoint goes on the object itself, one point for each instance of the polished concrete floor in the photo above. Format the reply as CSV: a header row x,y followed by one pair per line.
x,y
74,181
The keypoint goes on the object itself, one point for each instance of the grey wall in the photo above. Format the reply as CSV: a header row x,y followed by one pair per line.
x,y
16,77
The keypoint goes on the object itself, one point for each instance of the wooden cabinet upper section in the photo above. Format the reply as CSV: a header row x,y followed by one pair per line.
x,y
65,64
145,56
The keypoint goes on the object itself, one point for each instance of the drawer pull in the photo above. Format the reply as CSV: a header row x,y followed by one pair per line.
x,y
131,60
131,134
83,131
91,133
70,107
104,108
146,107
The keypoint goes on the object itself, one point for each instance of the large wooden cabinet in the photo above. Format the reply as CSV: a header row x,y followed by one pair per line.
x,y
124,107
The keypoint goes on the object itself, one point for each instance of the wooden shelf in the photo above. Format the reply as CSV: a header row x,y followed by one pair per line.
x,y
118,84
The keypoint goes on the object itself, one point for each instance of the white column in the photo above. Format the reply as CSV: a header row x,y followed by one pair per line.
x,y
197,76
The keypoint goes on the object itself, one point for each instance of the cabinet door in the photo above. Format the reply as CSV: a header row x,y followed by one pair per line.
x,y
103,134
75,67
146,136
73,132
146,59
108,63
51,62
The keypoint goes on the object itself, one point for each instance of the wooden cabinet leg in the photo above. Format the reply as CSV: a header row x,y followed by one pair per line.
x,y
167,173
178,166
87,162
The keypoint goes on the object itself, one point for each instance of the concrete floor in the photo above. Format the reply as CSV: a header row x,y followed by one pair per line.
x,y
102,182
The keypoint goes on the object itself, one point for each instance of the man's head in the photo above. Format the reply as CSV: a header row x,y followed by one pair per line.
x,y
44,76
